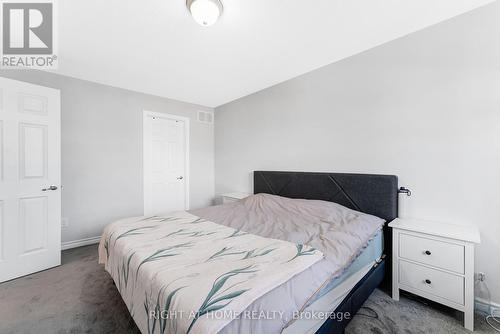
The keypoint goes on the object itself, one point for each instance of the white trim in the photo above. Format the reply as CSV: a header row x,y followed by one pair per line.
x,y
79,243
186,120
484,305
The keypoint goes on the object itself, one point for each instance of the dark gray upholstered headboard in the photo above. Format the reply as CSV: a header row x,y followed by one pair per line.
x,y
369,193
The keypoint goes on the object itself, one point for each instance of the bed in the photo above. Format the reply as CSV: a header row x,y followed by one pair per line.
x,y
305,244
369,193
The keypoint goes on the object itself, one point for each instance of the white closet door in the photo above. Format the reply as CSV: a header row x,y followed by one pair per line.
x,y
30,178
165,163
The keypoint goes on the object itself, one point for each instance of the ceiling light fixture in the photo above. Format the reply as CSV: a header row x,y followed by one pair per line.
x,y
205,12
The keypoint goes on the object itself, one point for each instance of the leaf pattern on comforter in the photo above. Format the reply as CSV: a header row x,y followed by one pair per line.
x,y
176,272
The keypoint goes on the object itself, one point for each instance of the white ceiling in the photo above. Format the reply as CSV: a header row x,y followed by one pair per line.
x,y
154,46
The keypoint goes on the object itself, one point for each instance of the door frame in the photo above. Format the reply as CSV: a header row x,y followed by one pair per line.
x,y
145,164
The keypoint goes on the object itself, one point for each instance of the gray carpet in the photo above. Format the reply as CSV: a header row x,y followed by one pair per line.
x,y
79,297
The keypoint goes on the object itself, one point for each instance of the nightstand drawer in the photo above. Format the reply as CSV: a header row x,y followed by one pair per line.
x,y
432,281
435,253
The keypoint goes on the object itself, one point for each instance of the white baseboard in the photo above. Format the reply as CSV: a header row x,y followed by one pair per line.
x,y
79,243
485,306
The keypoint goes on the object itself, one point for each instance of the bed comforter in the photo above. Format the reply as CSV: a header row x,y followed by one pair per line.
x,y
179,273
338,232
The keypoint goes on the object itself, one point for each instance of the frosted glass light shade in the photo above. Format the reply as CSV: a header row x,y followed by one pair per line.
x,y
205,12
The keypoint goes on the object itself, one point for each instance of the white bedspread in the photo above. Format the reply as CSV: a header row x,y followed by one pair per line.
x,y
184,274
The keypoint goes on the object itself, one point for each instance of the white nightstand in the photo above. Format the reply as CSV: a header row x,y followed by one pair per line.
x,y
435,261
233,197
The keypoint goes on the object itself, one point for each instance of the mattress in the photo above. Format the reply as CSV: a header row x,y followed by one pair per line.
x,y
372,252
340,233
313,316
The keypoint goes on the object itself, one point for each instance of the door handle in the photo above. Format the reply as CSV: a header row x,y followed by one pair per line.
x,y
180,178
51,188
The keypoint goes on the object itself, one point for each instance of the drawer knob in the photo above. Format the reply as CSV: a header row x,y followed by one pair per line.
x,y
428,252
428,281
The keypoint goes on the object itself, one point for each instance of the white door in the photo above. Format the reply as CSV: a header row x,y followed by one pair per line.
x,y
30,178
166,161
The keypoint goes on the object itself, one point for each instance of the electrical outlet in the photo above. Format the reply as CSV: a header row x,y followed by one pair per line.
x,y
64,222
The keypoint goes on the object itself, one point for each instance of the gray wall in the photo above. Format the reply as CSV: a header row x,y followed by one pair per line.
x,y
102,151
425,107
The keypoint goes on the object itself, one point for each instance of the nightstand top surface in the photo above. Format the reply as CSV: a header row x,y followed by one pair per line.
x,y
236,195
445,230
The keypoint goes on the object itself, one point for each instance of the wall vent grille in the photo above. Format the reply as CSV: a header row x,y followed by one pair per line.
x,y
206,117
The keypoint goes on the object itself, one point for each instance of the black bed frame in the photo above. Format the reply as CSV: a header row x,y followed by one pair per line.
x,y
368,193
